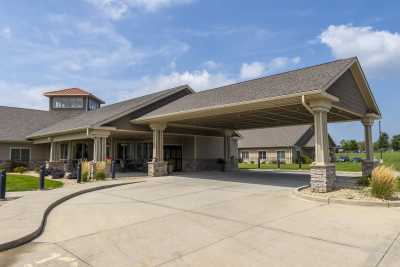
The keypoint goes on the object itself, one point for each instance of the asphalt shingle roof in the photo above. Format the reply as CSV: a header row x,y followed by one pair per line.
x,y
296,81
272,137
96,117
17,123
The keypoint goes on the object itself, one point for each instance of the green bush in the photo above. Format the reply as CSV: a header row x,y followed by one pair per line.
x,y
363,181
306,159
85,176
100,175
20,169
383,182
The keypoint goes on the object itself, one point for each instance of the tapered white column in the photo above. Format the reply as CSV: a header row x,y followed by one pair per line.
x,y
369,163
52,151
157,167
323,172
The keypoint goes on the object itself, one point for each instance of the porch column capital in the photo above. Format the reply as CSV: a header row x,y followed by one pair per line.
x,y
320,104
369,119
158,126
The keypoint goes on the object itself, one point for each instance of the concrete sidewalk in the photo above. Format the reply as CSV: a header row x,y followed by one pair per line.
x,y
23,215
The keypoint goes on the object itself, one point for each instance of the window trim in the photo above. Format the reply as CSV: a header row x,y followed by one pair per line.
x,y
61,156
20,147
53,106
277,155
266,154
248,155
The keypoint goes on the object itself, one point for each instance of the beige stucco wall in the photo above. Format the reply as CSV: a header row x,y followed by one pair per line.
x,y
38,152
271,154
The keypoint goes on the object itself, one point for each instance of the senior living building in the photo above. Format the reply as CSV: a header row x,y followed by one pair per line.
x,y
190,130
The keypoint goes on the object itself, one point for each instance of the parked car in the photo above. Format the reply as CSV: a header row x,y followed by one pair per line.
x,y
356,159
343,159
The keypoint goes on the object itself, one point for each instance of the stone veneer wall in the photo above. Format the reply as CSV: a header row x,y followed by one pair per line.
x,y
368,166
323,178
157,168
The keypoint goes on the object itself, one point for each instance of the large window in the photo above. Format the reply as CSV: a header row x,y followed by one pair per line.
x,y
64,151
245,155
67,102
262,155
20,154
281,156
93,104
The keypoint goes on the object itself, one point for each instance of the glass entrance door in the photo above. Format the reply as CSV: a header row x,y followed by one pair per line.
x,y
173,154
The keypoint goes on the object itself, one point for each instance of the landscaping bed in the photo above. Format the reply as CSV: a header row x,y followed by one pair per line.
x,y
362,193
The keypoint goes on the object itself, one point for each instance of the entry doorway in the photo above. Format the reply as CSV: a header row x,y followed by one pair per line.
x,y
173,154
81,151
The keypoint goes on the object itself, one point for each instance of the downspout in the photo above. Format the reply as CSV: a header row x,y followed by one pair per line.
x,y
303,101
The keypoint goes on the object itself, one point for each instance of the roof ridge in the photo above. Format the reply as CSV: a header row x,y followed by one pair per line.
x,y
277,74
28,109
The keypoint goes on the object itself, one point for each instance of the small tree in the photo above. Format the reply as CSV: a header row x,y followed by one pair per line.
x,y
349,145
396,142
383,142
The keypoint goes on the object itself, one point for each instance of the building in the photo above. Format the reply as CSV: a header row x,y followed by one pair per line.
x,y
180,129
284,143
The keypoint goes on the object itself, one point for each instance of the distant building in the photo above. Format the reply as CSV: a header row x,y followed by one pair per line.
x,y
285,143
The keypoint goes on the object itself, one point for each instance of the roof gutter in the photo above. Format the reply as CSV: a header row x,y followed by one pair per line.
x,y
303,102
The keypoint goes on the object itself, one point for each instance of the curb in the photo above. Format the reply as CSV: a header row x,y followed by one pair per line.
x,y
27,238
385,203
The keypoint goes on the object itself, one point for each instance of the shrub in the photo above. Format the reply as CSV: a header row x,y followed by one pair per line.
x,y
363,181
85,176
100,175
252,162
85,170
20,169
383,182
306,159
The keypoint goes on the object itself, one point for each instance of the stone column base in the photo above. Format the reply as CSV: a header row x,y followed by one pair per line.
x,y
368,166
157,168
323,178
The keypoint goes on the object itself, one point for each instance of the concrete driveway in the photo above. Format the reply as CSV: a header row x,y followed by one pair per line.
x,y
212,219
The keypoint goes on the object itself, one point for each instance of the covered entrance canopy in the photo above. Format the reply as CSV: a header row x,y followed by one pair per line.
x,y
331,92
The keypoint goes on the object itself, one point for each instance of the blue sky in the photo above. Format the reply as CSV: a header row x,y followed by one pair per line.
x,y
124,48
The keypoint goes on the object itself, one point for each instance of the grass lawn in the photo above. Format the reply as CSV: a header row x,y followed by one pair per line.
x,y
20,182
389,158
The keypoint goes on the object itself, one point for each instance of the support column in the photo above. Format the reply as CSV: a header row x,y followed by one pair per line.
x,y
323,172
369,163
51,159
228,155
99,148
158,167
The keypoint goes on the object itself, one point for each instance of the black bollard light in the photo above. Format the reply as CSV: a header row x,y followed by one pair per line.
x,y
259,163
3,180
113,169
79,172
279,163
42,174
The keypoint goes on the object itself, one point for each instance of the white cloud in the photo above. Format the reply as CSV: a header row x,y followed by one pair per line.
x,y
116,9
377,50
257,69
25,95
5,33
252,70
212,65
198,80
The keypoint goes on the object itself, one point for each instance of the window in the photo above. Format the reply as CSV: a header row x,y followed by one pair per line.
x,y
93,104
245,155
20,154
262,155
281,155
63,151
67,102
